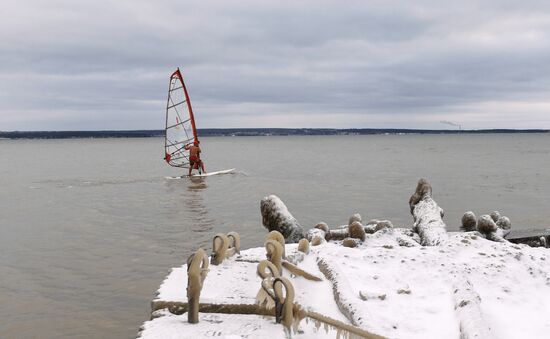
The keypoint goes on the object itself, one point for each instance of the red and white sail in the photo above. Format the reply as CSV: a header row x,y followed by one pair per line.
x,y
180,123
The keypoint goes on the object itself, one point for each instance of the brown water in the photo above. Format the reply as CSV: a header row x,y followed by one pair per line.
x,y
89,228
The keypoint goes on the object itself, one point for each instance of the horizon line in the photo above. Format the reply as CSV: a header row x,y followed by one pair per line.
x,y
284,128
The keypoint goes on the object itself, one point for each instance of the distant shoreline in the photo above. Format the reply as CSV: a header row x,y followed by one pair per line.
x,y
206,132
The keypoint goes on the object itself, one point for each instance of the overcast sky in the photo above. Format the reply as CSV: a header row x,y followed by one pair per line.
x,y
88,65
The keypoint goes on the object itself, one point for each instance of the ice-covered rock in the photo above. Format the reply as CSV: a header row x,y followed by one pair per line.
x,y
322,226
469,222
383,224
486,225
504,226
495,215
350,242
357,231
353,218
276,217
370,227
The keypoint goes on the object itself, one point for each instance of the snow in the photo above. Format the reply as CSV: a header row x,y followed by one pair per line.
x,y
235,282
230,282
169,326
466,287
227,326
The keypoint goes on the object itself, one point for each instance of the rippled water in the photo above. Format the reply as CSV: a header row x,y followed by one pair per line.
x,y
90,227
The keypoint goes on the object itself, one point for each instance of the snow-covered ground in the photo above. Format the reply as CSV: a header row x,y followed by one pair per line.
x,y
467,287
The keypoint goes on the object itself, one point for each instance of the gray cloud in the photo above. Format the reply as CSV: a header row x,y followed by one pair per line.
x,y
105,65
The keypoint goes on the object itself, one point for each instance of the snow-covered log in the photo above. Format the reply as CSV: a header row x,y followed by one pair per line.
x,y
467,308
276,217
342,293
428,222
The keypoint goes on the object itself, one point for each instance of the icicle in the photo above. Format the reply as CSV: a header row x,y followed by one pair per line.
x,y
270,304
261,297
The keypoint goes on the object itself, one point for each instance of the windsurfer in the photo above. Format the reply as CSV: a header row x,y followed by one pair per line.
x,y
194,157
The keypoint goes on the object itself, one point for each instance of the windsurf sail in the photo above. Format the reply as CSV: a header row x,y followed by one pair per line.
x,y
181,131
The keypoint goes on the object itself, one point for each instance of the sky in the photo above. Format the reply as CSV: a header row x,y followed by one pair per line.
x,y
105,65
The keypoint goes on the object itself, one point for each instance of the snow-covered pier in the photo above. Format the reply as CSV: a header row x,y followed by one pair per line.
x,y
361,280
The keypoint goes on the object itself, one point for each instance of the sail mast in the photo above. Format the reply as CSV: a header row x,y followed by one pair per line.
x,y
194,127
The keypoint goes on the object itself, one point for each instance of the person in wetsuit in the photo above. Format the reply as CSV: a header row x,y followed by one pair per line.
x,y
194,157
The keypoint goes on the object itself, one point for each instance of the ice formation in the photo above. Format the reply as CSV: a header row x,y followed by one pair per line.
x,y
359,281
276,217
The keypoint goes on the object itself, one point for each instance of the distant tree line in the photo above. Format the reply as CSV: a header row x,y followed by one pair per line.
x,y
248,132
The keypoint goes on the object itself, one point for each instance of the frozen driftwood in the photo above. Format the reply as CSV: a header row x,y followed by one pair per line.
x,y
276,217
428,222
468,310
